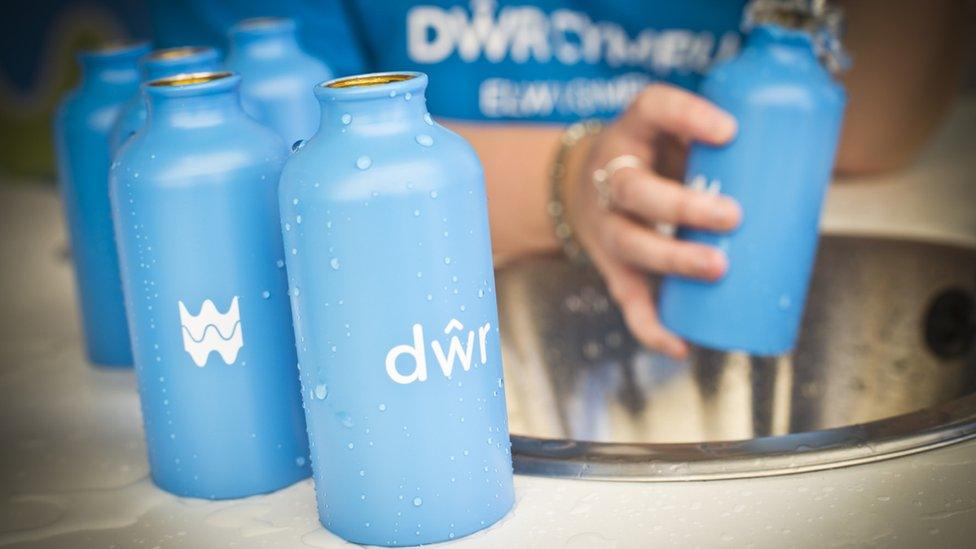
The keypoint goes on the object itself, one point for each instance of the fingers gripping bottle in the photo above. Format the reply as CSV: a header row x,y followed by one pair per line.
x,y
109,77
155,65
390,269
778,166
195,204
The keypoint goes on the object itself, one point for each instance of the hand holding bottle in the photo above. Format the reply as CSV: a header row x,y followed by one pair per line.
x,y
619,230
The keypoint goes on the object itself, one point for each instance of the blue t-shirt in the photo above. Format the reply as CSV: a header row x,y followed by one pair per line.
x,y
545,60
521,60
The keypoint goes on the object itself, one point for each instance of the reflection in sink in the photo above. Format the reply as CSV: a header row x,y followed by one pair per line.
x,y
888,330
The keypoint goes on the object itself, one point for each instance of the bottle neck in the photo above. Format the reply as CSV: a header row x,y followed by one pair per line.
x,y
264,41
196,105
170,62
789,45
373,109
113,67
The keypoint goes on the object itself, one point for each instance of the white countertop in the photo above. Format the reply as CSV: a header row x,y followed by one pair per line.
x,y
73,471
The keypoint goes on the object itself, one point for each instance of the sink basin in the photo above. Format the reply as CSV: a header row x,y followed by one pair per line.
x,y
885,366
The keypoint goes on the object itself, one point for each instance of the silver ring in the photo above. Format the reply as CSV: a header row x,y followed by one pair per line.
x,y
601,177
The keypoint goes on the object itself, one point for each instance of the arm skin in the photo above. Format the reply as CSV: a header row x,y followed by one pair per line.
x,y
907,66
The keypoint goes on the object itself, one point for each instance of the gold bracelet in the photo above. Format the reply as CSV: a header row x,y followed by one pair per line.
x,y
572,135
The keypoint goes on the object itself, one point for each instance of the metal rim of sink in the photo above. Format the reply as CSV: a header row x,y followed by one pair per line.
x,y
928,429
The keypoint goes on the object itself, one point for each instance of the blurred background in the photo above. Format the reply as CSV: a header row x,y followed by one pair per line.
x,y
39,40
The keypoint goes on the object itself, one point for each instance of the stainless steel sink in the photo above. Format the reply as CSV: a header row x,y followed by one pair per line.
x,y
885,366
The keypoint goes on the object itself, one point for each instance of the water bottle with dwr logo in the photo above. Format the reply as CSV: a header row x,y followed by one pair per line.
x,y
393,295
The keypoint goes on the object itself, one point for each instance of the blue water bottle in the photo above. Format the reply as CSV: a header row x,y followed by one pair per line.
x,y
159,64
109,77
195,205
278,76
789,111
390,269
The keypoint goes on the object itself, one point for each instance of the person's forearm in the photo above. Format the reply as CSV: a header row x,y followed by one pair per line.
x,y
907,59
516,160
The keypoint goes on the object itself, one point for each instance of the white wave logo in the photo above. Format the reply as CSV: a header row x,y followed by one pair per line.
x,y
212,331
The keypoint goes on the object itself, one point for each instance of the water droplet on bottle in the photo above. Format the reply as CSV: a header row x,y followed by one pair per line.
x,y
382,407
346,420
287,227
364,162
297,145
416,213
392,94
417,502
280,263
350,446
321,391
294,201
362,473
298,219
266,294
433,194
481,293
425,140
300,461
447,260
294,251
346,119
407,96
334,262
430,297
428,119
